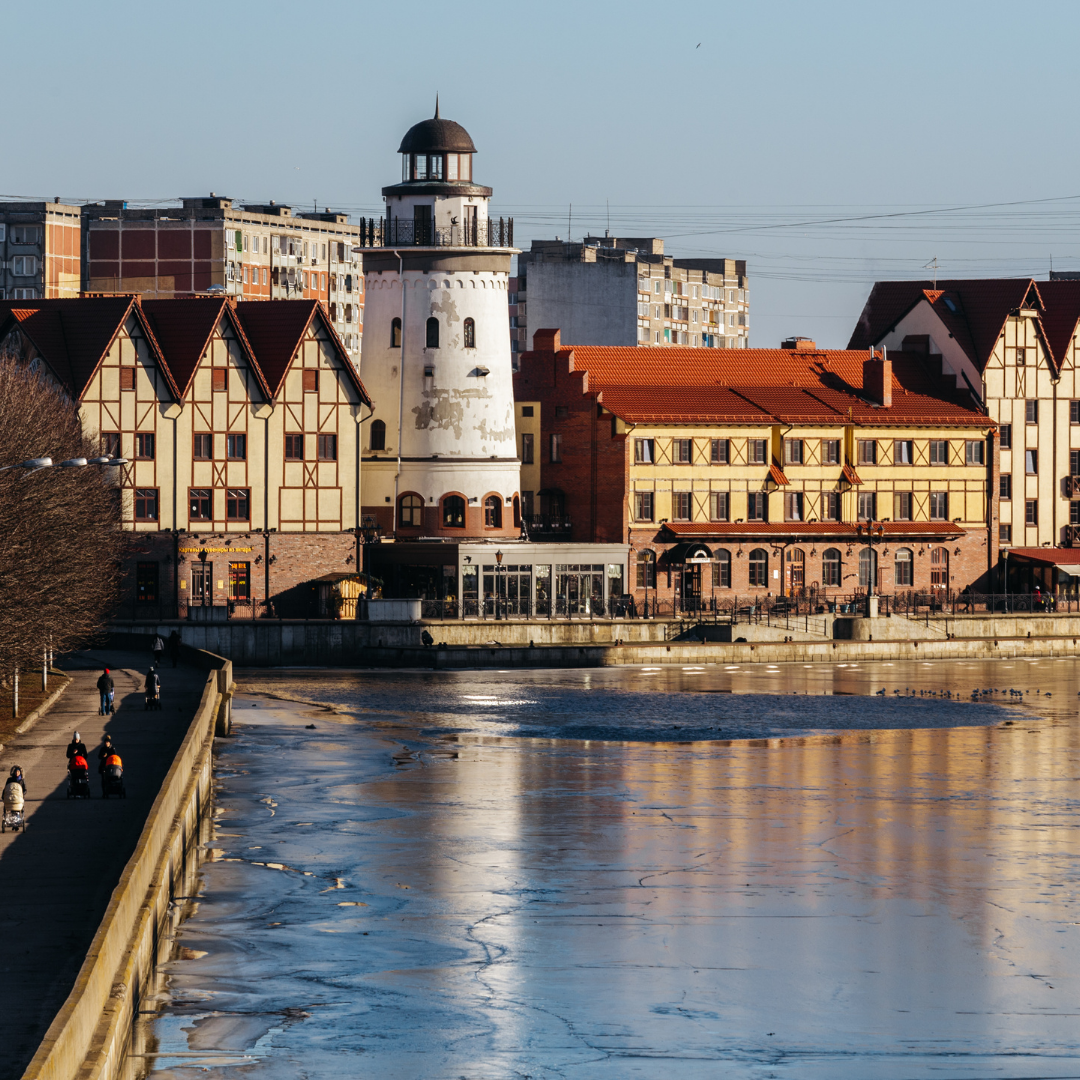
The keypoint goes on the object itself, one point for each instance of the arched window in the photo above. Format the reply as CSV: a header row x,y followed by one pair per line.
x,y
378,435
411,511
721,569
470,334
517,513
903,567
646,569
939,568
453,512
830,567
867,569
493,512
395,333
759,567
433,333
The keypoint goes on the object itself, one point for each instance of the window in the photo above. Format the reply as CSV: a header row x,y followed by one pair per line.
x,y
493,512
432,340
1005,486
110,443
562,412
1031,462
867,449
902,452
200,504
239,581
902,506
1021,357
1074,513
793,451
644,452
326,447
1006,436
867,506
830,567
719,451
410,511
24,265
470,334
830,451
758,567
527,449
719,506
453,512
144,446
1005,534
644,506
755,506
378,435
395,333
127,378
793,506
146,582
1074,462
830,506
202,446
527,410
681,451
974,452
721,570
238,504
556,449
236,447
867,569
219,379
680,506
939,506
939,452
1031,511
1031,412
294,446
146,500
311,381
903,568
24,234
646,568
1074,412
939,568
755,451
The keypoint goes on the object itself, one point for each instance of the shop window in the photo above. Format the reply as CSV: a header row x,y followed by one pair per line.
x,y
411,511
758,567
146,582
453,512
239,581
646,569
378,435
238,504
146,504
200,504
903,568
493,512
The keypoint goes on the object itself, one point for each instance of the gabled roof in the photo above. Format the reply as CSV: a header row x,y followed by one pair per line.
x,y
73,335
1060,316
973,310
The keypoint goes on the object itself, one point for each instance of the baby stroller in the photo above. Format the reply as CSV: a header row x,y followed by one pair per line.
x,y
112,778
13,806
78,778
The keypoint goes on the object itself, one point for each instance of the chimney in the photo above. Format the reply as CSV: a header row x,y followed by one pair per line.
x,y
877,378
546,341
799,344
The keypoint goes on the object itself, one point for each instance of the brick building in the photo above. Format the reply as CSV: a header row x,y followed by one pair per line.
x,y
241,425
39,250
759,472
251,252
626,291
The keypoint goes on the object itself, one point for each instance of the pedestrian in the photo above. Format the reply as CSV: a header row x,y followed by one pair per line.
x,y
158,649
427,639
105,688
76,747
104,751
153,689
174,647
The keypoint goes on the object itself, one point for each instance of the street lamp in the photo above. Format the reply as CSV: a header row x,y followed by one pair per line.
x,y
871,527
498,579
33,465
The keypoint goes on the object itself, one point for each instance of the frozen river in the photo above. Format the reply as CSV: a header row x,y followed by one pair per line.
x,y
671,873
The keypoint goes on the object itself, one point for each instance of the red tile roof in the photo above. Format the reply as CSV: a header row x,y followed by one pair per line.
x,y
812,529
1048,556
1060,316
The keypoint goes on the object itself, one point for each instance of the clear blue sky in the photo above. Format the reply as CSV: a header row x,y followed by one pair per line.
x,y
742,130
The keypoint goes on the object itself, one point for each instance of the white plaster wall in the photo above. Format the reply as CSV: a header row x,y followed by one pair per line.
x,y
591,303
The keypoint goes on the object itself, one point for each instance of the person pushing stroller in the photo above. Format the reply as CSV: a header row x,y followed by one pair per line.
x,y
14,800
106,689
153,689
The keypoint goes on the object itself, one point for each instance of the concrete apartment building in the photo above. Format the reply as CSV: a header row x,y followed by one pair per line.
x,y
626,291
250,252
1014,345
39,250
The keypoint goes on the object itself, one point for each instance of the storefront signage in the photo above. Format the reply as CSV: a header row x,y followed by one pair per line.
x,y
209,550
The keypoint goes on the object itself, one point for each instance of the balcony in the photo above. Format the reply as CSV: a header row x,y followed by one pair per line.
x,y
548,527
399,232
1072,487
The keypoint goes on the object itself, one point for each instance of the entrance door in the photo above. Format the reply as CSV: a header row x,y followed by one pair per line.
x,y
202,584
692,587
796,571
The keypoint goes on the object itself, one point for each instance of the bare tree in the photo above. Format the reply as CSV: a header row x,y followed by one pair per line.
x,y
60,536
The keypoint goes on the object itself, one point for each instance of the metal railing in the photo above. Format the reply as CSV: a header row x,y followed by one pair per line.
x,y
401,232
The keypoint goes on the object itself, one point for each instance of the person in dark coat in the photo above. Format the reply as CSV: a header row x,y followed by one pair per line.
x,y
153,688
76,746
105,688
174,647
104,750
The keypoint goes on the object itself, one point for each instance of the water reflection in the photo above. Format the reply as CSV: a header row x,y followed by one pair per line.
x,y
887,903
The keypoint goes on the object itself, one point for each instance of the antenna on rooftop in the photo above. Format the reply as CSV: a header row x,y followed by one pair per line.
x,y
607,232
932,265
569,218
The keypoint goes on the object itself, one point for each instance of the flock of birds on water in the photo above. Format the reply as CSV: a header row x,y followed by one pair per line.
x,y
976,695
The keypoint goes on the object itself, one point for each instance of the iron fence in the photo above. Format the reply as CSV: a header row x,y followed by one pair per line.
x,y
402,232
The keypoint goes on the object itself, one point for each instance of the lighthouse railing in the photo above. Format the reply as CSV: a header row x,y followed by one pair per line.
x,y
403,232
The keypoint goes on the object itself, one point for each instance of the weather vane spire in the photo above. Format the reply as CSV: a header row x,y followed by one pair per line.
x,y
436,105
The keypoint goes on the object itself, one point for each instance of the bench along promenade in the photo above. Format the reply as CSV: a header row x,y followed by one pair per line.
x,y
85,904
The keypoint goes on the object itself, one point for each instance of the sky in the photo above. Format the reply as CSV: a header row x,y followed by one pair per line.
x,y
827,144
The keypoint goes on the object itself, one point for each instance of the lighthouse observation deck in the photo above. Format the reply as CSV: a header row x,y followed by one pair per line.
x,y
415,231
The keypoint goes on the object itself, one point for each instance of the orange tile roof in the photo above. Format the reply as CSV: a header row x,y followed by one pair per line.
x,y
1048,556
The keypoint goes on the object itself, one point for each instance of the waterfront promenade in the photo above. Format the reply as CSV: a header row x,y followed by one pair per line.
x,y
57,877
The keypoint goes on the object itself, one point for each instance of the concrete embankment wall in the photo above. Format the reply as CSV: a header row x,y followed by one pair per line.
x,y
91,1034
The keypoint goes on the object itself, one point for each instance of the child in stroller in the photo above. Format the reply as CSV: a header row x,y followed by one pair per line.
x,y
78,778
14,798
112,777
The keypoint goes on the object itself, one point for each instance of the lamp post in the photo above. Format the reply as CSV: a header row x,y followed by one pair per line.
x,y
871,528
498,580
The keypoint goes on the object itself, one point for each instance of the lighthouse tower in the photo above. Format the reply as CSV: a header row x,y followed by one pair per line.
x,y
439,453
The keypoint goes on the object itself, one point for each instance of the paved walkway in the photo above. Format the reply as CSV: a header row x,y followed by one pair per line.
x,y
57,877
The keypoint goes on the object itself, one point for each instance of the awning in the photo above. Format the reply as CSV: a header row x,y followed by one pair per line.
x,y
695,552
1070,571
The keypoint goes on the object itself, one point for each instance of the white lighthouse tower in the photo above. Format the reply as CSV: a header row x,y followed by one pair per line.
x,y
440,455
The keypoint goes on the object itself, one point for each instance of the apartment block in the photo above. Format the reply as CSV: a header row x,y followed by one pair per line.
x,y
209,244
39,250
626,291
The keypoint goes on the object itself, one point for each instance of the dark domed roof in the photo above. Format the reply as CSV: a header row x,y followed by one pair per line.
x,y
436,136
